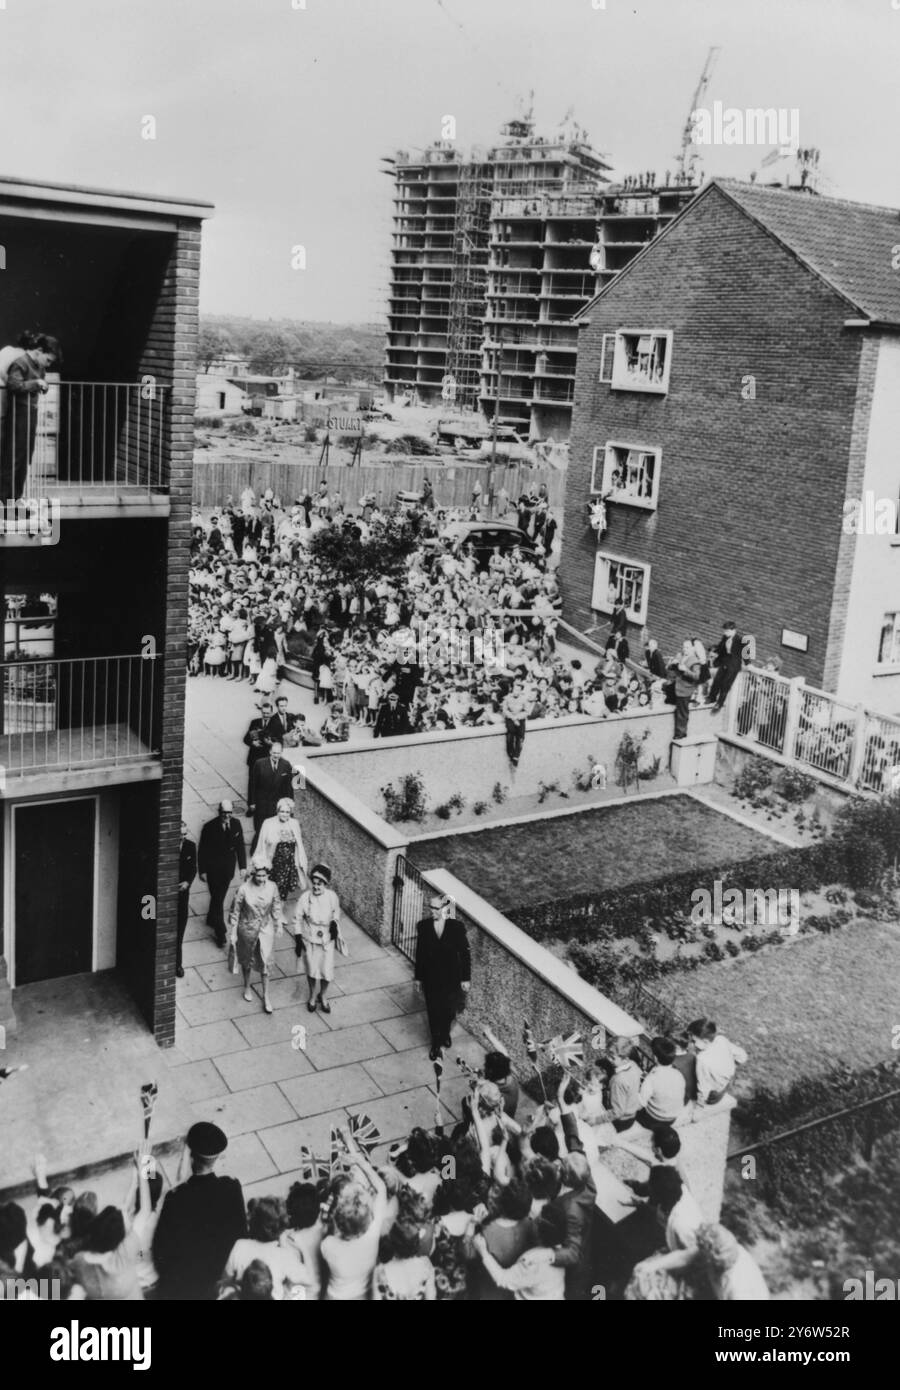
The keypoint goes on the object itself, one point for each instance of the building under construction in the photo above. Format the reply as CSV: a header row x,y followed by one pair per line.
x,y
491,258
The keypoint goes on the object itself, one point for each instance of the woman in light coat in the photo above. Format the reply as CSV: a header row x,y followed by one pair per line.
x,y
281,844
317,926
256,918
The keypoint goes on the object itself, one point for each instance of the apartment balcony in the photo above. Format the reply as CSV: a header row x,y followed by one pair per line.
x,y
555,392
570,287
89,715
91,443
556,369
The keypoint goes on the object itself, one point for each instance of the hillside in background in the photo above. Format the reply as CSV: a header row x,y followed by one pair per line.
x,y
314,349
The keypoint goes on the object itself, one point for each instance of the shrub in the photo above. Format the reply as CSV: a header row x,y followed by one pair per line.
x,y
209,422
866,862
310,434
479,808
499,794
733,948
646,774
243,428
442,811
545,789
406,800
753,778
794,786
456,803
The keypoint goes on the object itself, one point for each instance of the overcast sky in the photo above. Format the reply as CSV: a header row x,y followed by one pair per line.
x,y
279,116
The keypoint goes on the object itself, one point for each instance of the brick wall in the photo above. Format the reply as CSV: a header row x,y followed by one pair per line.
x,y
170,354
748,524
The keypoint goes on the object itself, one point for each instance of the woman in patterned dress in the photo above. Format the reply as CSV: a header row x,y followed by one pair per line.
x,y
256,917
281,843
317,925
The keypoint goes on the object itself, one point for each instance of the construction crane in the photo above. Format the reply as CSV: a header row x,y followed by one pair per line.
x,y
688,157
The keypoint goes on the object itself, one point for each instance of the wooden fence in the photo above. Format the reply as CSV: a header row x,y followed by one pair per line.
x,y
216,479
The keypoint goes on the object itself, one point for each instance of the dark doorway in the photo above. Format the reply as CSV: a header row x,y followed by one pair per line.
x,y
54,889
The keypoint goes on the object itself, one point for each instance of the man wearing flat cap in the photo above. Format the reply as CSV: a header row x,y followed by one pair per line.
x,y
221,851
199,1223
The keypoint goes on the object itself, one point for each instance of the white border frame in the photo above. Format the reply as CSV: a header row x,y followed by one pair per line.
x,y
646,504
605,607
618,384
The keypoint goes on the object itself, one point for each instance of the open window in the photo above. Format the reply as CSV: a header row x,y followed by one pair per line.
x,y
627,473
615,579
889,641
637,359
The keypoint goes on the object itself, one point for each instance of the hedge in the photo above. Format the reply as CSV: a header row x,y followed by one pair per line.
x,y
805,868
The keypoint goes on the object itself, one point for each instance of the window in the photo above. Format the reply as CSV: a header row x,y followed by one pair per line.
x,y
29,627
889,643
627,473
637,359
615,578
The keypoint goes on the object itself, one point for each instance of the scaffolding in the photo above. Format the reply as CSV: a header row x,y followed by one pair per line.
x,y
465,327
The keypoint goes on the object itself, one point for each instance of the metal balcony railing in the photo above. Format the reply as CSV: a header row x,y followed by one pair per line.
x,y
82,712
85,434
545,391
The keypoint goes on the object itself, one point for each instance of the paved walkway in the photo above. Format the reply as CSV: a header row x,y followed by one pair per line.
x,y
236,1065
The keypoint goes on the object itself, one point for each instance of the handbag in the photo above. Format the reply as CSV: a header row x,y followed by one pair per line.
x,y
232,959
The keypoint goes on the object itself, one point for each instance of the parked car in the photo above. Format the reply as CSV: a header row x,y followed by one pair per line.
x,y
484,536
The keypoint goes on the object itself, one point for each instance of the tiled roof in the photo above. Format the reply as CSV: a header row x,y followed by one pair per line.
x,y
851,246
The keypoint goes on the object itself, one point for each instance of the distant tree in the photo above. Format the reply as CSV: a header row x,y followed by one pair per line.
x,y
269,351
213,342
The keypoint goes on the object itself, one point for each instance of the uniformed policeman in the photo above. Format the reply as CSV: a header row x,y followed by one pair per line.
x,y
199,1223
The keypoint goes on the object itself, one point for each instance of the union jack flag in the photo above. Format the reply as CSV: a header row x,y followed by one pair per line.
x,y
364,1132
338,1153
566,1052
313,1169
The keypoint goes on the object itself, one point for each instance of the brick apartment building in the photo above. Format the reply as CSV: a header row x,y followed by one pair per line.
x,y
95,602
738,387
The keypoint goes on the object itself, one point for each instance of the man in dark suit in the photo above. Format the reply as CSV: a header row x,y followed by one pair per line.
x,y
443,969
187,872
199,1222
221,852
729,653
256,740
281,722
271,778
392,719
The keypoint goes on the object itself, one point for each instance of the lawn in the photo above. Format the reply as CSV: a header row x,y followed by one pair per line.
x,y
803,1007
589,851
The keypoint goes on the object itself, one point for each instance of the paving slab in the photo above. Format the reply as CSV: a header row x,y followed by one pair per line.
x,y
190,983
293,991
335,1049
219,1004
372,974
313,1095
246,1110
201,1081
407,997
202,952
402,1071
262,1029
208,1040
395,1116
284,1142
409,1030
368,1007
216,975
275,1062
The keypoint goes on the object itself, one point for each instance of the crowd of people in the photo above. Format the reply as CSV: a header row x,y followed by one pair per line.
x,y
505,1206
465,639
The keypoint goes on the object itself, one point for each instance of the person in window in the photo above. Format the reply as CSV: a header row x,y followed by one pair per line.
x,y
25,384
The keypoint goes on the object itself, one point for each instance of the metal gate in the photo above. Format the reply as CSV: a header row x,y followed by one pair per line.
x,y
410,890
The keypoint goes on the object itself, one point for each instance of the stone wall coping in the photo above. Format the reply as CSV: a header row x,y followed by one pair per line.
x,y
354,809
536,957
491,731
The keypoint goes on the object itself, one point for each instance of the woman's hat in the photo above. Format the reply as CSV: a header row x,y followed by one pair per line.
x,y
320,871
